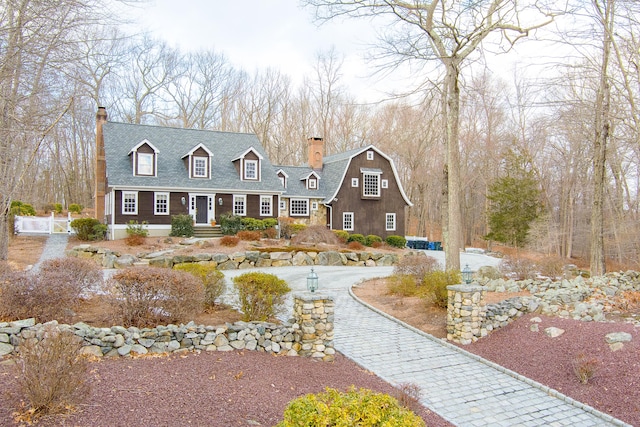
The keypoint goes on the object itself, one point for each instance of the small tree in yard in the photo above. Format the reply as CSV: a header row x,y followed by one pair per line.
x,y
514,203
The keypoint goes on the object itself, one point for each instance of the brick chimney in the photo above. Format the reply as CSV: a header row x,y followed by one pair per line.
x,y
101,170
316,150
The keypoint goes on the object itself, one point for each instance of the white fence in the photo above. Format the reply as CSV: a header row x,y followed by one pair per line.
x,y
42,225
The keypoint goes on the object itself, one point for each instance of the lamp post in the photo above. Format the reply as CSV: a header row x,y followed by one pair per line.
x,y
312,281
467,274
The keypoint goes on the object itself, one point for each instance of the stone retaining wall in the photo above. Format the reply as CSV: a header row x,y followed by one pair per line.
x,y
237,260
311,335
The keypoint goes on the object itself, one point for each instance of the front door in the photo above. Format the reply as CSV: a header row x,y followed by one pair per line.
x,y
202,207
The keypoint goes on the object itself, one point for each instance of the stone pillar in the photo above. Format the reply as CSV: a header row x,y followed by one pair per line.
x,y
466,311
314,313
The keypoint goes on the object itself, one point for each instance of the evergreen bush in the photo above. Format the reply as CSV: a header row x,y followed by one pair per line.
x,y
396,241
87,228
370,239
76,208
230,224
261,295
362,407
212,279
435,285
356,238
181,225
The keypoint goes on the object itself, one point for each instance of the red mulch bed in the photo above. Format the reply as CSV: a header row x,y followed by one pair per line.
x,y
207,389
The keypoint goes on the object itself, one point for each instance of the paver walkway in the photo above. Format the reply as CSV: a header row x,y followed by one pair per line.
x,y
465,389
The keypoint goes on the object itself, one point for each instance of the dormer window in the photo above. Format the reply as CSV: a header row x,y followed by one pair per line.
x,y
282,176
313,183
251,169
198,162
248,165
200,167
144,159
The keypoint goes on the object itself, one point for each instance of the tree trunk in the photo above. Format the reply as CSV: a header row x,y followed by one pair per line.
x,y
602,123
453,236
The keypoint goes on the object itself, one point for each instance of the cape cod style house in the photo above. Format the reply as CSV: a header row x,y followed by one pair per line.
x,y
149,173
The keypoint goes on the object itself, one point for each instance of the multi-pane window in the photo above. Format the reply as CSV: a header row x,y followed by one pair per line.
x,y
354,182
265,205
283,181
161,203
385,183
299,207
390,222
371,185
145,163
200,167
313,183
240,205
314,206
347,221
250,169
369,155
129,203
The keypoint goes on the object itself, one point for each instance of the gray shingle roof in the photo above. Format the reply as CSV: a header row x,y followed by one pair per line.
x,y
172,145
296,187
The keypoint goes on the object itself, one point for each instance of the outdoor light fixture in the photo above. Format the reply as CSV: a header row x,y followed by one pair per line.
x,y
467,274
184,201
312,281
220,201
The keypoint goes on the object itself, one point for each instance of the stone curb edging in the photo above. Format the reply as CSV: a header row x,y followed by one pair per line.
x,y
550,391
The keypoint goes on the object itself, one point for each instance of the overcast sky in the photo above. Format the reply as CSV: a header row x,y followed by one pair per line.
x,y
256,34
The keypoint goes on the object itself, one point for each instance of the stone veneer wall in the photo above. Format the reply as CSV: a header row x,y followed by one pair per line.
x,y
314,314
311,335
466,311
237,260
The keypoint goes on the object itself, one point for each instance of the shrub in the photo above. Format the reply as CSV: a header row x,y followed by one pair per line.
x,y
270,222
57,208
408,396
551,266
370,239
260,294
416,266
342,235
136,233
270,233
51,372
518,268
230,224
147,296
52,293
212,279
585,367
296,228
315,234
22,209
285,226
435,285
356,238
181,226
76,208
352,408
229,241
396,241
86,228
403,285
249,235
48,208
355,246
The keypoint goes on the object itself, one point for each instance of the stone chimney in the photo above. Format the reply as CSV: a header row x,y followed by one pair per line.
x,y
101,170
316,150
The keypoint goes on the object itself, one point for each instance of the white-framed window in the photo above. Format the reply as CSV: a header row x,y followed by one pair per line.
x,y
265,205
145,164
354,182
347,221
283,205
313,183
314,206
129,203
371,185
283,181
200,167
369,155
299,207
240,205
251,169
385,183
161,203
390,220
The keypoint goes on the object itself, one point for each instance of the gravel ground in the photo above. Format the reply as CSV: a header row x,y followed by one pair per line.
x,y
615,388
207,389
